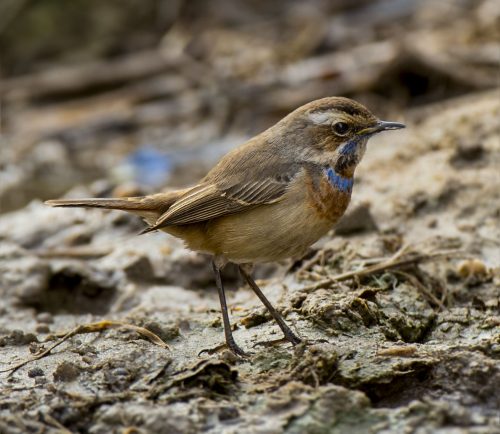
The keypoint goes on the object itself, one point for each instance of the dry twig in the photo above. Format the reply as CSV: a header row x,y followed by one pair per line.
x,y
90,328
398,260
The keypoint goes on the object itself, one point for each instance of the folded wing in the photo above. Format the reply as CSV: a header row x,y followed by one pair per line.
x,y
209,200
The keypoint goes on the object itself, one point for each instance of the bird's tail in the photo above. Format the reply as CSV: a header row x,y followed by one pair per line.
x,y
148,207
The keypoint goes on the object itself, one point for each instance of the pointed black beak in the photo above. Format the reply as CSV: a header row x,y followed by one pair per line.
x,y
382,126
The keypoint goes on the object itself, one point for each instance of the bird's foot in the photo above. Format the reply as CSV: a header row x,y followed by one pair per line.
x,y
292,338
272,343
234,348
289,337
294,342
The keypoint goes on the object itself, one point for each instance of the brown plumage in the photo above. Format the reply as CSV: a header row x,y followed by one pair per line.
x,y
270,198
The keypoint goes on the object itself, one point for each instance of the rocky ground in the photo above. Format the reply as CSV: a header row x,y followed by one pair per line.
x,y
399,305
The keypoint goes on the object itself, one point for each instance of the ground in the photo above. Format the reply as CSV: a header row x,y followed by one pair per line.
x,y
410,348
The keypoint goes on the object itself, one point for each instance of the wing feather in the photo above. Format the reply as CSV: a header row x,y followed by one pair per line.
x,y
206,202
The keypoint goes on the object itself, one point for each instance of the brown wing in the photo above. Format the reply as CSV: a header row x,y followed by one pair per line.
x,y
208,201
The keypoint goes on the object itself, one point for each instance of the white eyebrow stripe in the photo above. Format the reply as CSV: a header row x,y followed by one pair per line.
x,y
321,117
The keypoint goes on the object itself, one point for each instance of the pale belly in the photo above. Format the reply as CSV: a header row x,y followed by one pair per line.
x,y
264,234
268,233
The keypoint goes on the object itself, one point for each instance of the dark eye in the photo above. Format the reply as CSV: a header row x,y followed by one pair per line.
x,y
340,128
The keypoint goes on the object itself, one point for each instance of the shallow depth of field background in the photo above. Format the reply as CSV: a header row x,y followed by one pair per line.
x,y
147,93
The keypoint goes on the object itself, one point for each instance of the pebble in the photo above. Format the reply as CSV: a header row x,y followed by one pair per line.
x,y
45,318
120,372
66,371
42,328
472,267
35,372
87,359
358,220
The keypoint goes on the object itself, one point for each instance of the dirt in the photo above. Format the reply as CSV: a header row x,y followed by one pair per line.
x,y
411,348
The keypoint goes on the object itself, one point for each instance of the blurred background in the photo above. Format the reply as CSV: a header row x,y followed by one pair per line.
x,y
129,96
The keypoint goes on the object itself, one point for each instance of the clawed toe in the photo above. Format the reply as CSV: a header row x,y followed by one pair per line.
x,y
239,352
272,343
235,349
294,341
211,351
309,342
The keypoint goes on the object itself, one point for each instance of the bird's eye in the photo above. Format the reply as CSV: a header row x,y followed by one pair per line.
x,y
340,128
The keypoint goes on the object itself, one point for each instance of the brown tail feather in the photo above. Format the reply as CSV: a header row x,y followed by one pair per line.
x,y
132,203
148,207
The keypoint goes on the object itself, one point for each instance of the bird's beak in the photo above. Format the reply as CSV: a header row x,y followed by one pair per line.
x,y
382,126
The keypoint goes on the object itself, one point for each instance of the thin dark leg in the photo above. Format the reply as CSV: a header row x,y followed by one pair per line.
x,y
289,335
225,316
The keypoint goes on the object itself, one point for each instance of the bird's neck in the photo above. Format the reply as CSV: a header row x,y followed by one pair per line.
x,y
348,157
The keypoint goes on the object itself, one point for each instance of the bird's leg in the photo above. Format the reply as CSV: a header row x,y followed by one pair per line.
x,y
289,335
225,316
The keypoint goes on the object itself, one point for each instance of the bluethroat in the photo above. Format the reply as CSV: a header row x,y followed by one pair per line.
x,y
268,199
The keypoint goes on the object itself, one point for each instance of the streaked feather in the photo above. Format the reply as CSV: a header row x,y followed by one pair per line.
x,y
208,201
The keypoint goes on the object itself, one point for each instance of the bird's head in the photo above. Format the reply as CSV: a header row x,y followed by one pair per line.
x,y
335,131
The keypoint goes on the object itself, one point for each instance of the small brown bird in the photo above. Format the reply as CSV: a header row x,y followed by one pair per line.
x,y
267,200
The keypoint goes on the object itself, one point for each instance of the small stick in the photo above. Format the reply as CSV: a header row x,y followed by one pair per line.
x,y
394,261
398,351
90,328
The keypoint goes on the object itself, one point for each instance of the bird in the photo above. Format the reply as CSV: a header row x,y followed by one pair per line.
x,y
267,200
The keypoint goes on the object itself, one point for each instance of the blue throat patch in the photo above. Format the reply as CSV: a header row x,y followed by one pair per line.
x,y
339,182
350,147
